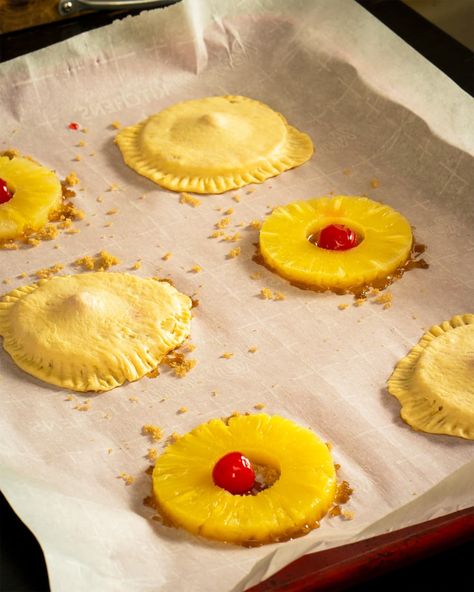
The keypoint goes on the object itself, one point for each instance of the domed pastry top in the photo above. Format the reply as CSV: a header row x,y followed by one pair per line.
x,y
213,144
93,331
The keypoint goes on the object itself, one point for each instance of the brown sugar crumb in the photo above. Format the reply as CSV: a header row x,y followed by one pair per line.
x,y
266,294
236,197
113,187
9,246
233,253
83,406
71,179
167,256
112,212
49,232
334,511
6,281
67,223
360,301
374,183
116,125
195,269
233,238
252,349
10,153
229,212
386,299
100,262
343,493
259,406
153,431
329,446
347,514
188,347
109,450
182,410
81,144
216,234
255,224
47,272
255,275
77,158
222,223
128,479
152,454
100,198
337,466
214,393
227,355
136,265
190,200
347,172
342,306
179,364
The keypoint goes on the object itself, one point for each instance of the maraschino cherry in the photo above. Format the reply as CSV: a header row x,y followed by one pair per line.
x,y
337,237
5,193
234,473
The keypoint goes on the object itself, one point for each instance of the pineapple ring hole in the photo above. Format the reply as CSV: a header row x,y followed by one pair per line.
x,y
313,234
267,471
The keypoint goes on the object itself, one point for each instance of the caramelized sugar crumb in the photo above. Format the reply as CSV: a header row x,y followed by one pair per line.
x,y
128,479
342,306
222,223
343,493
101,262
47,272
227,355
182,410
71,179
252,349
167,256
180,365
152,454
374,183
255,224
216,234
233,253
259,406
195,269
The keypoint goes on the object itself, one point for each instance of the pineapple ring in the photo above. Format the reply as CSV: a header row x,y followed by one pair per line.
x,y
385,245
435,381
36,194
93,331
213,144
293,505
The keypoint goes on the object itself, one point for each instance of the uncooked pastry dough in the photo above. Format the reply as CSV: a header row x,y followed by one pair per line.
x,y
435,381
93,331
213,144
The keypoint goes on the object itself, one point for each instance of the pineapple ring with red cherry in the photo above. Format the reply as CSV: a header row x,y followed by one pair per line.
x,y
187,495
31,192
289,242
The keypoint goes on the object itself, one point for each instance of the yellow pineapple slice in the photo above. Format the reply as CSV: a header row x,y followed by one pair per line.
x,y
385,241
187,495
213,144
435,381
36,194
93,331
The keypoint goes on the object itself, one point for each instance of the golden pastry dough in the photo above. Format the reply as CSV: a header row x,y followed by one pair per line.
x,y
435,381
36,194
93,331
213,144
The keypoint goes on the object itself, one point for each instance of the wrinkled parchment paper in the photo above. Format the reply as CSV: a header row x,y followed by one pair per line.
x,y
375,110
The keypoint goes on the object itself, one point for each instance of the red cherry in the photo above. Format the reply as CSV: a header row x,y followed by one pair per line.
x,y
337,237
234,473
5,193
73,125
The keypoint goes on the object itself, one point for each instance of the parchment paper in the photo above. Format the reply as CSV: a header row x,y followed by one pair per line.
x,y
375,109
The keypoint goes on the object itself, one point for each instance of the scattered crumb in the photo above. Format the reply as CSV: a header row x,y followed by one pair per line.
x,y
329,446
167,256
113,187
128,479
84,406
136,265
6,281
236,197
229,212
173,438
69,398
116,125
109,450
255,275
152,454
227,355
77,158
259,406
252,349
334,511
216,234
47,272
195,269
22,275
182,410
279,296
222,223
73,231
190,200
255,224
374,183
360,301
71,179
343,493
153,431
133,399
233,238
342,306
188,347
214,393
337,466
85,130
347,514
179,363
112,212
233,253
385,299
266,294
100,262
250,191
81,144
